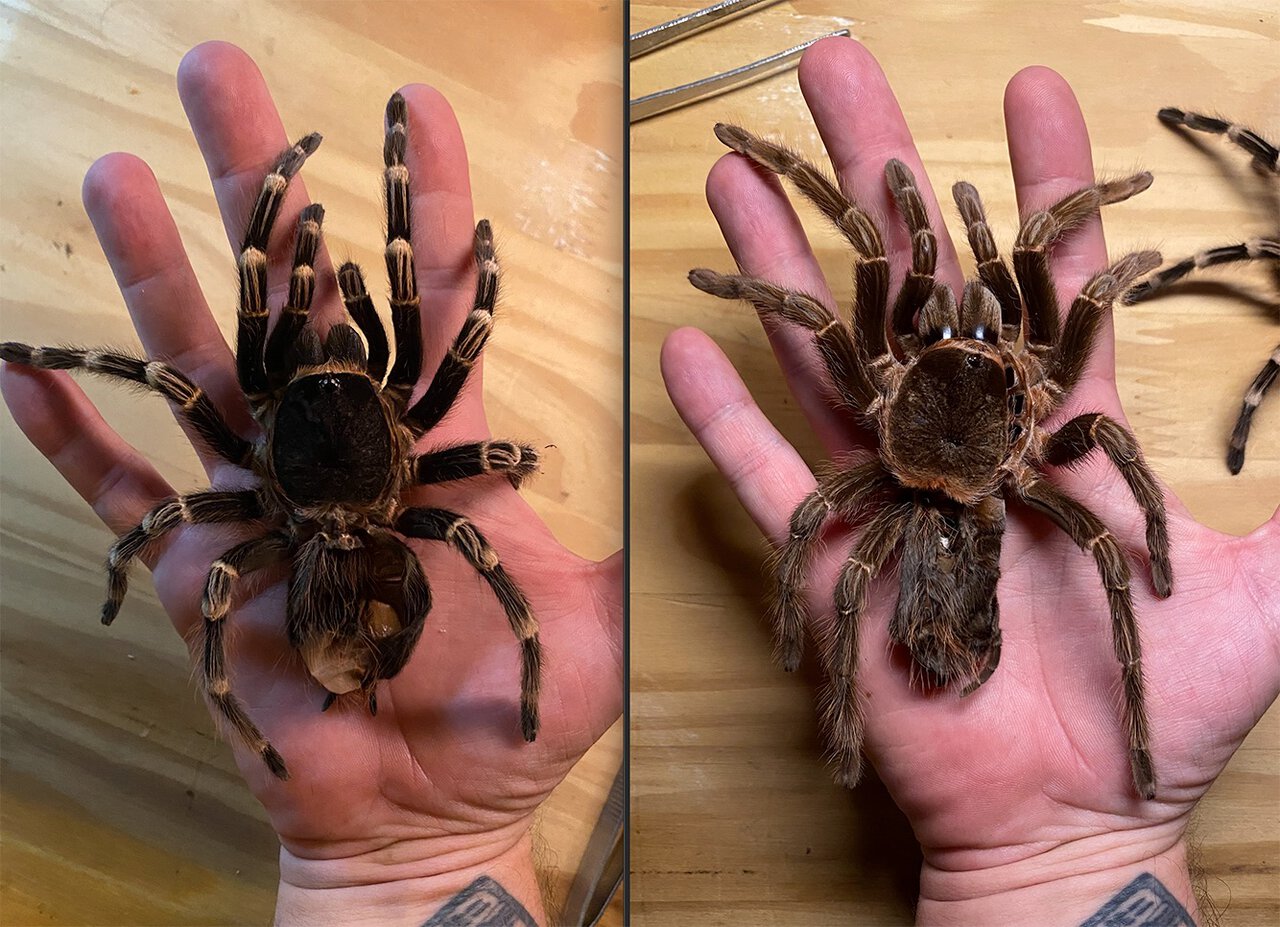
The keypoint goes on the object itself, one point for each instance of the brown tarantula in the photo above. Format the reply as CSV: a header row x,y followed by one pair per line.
x,y
1267,157
334,456
959,424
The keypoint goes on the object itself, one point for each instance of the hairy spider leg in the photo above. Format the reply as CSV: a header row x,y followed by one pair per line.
x,y
918,285
399,578
355,296
463,461
1070,356
195,407
252,314
870,268
239,561
839,492
462,355
1039,232
405,302
849,378
992,269
1265,153
460,534
1252,399
841,706
1255,249
1093,537
279,360
197,508
1074,440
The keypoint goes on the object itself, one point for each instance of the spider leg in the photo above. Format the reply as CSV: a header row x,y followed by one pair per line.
x,y
1081,435
1093,537
919,282
850,376
1265,153
871,267
405,315
1040,230
1257,389
1255,249
197,508
465,350
463,461
251,317
360,307
841,707
278,360
1070,356
840,492
462,536
196,408
237,562
992,269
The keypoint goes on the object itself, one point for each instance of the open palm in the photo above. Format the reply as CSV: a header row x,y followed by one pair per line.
x,y
443,762
1038,755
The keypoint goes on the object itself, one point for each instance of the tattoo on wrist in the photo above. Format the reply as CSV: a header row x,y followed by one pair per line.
x,y
483,903
1144,902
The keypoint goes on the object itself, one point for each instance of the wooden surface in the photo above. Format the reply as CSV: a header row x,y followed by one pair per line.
x,y
734,818
120,805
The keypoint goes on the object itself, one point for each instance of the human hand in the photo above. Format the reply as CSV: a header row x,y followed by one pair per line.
x,y
383,817
1020,794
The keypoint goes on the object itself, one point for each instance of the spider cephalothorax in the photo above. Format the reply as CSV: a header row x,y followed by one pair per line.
x,y
334,454
958,416
1263,248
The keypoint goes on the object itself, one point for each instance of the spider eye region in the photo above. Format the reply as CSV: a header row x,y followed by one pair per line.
x,y
947,426
331,442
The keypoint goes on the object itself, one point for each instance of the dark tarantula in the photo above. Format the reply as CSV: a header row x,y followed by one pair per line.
x,y
334,456
1267,157
959,424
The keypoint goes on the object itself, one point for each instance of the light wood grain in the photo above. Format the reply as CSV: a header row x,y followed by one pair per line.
x,y
734,818
120,804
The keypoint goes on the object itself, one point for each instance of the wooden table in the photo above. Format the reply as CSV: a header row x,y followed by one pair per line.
x,y
734,818
121,806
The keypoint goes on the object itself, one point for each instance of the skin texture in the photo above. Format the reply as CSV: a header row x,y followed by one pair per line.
x,y
1023,786
439,787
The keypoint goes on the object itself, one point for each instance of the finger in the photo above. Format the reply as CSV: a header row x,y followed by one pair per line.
x,y
62,423
240,135
443,225
1050,153
145,252
767,475
767,240
862,128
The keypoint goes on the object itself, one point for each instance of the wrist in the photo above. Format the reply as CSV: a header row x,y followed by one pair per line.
x,y
1066,884
407,882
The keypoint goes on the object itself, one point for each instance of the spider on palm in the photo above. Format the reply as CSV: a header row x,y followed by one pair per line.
x,y
959,421
1267,157
334,455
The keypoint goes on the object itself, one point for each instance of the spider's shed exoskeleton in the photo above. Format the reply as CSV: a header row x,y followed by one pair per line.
x,y
958,418
335,452
1263,248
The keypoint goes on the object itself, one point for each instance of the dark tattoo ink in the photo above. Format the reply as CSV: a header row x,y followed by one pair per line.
x,y
483,903
1144,902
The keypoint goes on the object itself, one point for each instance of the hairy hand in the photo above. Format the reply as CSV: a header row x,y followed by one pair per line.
x,y
1038,756
441,778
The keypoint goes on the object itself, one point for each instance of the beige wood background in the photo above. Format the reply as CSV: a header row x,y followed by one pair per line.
x,y
120,805
734,818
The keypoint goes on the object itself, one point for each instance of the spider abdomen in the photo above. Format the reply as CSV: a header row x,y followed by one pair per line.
x,y
331,441
947,429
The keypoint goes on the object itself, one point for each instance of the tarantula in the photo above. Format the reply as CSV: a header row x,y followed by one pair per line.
x,y
1267,157
958,417
335,453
